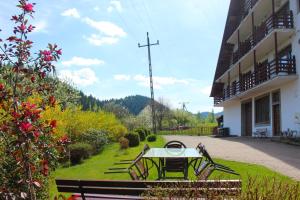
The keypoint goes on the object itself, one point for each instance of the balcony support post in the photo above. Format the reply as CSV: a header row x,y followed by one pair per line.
x,y
239,45
276,52
228,87
240,78
253,30
273,13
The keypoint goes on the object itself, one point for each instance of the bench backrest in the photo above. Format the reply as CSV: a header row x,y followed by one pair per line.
x,y
137,188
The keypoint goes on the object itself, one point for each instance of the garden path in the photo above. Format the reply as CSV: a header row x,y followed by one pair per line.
x,y
279,157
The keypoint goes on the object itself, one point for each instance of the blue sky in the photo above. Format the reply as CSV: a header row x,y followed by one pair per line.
x,y
100,53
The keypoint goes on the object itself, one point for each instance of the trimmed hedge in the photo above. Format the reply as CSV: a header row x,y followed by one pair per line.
x,y
80,151
124,143
142,133
151,138
134,139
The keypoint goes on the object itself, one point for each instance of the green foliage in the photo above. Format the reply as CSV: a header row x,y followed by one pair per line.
x,y
80,151
96,138
151,138
134,139
124,143
75,122
142,133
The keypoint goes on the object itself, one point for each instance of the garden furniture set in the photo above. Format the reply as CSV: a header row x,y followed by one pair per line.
x,y
174,157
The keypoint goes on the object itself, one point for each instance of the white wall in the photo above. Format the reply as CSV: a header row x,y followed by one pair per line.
x,y
232,118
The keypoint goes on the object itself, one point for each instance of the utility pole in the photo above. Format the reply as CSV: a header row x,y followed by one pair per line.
x,y
151,80
184,105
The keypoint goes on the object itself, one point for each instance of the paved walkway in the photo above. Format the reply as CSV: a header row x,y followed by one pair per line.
x,y
280,157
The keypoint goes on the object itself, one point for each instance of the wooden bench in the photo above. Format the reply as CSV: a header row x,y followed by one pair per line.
x,y
108,189
261,132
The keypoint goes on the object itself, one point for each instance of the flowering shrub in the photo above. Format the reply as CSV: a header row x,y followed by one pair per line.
x,y
28,144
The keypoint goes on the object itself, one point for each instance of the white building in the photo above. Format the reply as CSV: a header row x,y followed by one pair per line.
x,y
256,79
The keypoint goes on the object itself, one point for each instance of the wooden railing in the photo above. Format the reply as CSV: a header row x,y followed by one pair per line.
x,y
283,21
263,72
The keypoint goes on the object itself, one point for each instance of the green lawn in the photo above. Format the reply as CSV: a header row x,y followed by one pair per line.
x,y
94,167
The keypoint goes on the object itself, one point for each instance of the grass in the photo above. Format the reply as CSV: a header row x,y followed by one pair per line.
x,y
94,167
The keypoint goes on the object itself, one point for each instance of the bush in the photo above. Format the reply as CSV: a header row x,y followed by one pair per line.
x,y
96,138
124,143
142,133
148,132
80,151
134,139
151,138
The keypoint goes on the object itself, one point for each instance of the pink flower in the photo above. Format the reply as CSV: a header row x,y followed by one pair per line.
x,y
48,58
59,52
28,7
26,126
1,86
46,53
15,18
22,27
30,28
32,79
11,38
36,134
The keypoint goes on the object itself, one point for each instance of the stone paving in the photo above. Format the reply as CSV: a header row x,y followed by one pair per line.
x,y
283,158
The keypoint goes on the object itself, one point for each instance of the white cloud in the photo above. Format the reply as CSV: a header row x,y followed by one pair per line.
x,y
122,77
40,26
105,27
83,77
205,90
109,33
159,81
96,8
115,5
79,61
98,40
72,12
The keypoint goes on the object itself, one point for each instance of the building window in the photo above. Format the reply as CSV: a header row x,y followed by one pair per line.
x,y
262,110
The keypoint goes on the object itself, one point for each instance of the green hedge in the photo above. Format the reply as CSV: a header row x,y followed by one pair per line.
x,y
142,133
134,139
151,138
79,151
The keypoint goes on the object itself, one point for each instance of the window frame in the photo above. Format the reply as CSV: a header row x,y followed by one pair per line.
x,y
261,121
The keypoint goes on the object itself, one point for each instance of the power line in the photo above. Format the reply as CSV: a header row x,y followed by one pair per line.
x,y
148,45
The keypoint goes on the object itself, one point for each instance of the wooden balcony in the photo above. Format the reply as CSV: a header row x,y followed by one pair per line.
x,y
283,21
264,72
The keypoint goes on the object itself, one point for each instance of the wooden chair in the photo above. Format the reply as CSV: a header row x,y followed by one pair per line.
x,y
145,149
208,166
138,169
175,164
197,162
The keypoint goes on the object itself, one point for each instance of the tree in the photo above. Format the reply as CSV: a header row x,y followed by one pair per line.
x,y
162,109
28,144
120,111
211,117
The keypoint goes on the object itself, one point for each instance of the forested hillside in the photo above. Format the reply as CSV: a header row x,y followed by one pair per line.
x,y
134,104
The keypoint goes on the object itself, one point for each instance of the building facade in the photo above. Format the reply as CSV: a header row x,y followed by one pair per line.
x,y
256,79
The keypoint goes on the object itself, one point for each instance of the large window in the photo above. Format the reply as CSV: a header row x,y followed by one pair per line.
x,y
262,110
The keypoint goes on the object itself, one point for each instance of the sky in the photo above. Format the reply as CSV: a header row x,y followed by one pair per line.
x,y
99,39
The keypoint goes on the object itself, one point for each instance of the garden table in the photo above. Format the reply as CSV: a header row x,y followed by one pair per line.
x,y
163,153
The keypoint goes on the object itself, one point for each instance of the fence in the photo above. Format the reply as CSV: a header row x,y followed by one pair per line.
x,y
195,131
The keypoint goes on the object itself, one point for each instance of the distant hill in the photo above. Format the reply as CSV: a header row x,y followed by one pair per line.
x,y
134,104
205,114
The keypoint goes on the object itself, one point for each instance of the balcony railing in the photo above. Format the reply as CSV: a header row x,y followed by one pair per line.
x,y
264,72
283,21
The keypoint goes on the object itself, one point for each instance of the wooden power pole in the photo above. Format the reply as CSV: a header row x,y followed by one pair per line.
x,y
151,80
